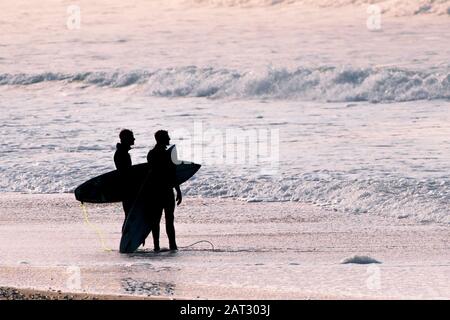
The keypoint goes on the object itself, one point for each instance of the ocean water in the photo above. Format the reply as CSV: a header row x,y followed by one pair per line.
x,y
358,118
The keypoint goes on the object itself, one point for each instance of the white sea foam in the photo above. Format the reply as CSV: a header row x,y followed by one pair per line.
x,y
341,84
359,260
393,7
425,200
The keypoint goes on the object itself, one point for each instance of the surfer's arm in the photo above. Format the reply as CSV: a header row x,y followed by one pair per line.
x,y
179,197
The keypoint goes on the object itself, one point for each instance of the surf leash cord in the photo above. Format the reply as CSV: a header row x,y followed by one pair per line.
x,y
95,228
192,244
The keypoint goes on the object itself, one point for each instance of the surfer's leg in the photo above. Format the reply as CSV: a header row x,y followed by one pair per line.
x,y
156,219
169,210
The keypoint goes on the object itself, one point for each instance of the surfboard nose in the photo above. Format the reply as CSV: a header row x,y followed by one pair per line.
x,y
78,194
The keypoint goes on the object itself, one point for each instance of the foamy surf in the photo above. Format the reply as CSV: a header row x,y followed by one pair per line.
x,y
359,260
332,84
392,7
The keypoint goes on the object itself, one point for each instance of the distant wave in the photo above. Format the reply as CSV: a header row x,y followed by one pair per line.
x,y
330,84
392,7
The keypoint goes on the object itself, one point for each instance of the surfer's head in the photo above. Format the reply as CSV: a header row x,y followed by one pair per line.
x,y
126,137
162,137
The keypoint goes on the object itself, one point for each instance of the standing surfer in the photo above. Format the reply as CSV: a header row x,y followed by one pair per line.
x,y
122,160
161,190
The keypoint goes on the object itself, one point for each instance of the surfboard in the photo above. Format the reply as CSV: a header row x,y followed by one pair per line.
x,y
136,228
114,187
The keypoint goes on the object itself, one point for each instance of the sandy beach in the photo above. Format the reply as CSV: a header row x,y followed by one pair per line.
x,y
280,250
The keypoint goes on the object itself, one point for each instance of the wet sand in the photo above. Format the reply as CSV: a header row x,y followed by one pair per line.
x,y
261,251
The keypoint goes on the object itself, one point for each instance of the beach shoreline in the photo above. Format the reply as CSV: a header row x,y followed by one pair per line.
x,y
11,293
261,250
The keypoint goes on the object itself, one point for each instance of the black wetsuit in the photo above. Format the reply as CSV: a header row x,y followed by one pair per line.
x,y
122,160
161,192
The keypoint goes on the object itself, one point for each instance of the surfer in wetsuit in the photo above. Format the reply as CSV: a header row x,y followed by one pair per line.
x,y
122,160
161,191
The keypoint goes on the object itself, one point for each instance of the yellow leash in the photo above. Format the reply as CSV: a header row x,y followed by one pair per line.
x,y
94,227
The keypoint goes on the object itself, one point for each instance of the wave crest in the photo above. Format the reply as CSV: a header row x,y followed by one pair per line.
x,y
324,84
392,7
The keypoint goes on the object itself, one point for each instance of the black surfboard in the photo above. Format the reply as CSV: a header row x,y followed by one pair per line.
x,y
111,187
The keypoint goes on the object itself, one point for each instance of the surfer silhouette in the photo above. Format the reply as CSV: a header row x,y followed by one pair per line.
x,y
161,190
122,160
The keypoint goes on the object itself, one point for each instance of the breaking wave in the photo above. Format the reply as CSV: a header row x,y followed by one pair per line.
x,y
424,200
330,84
391,7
